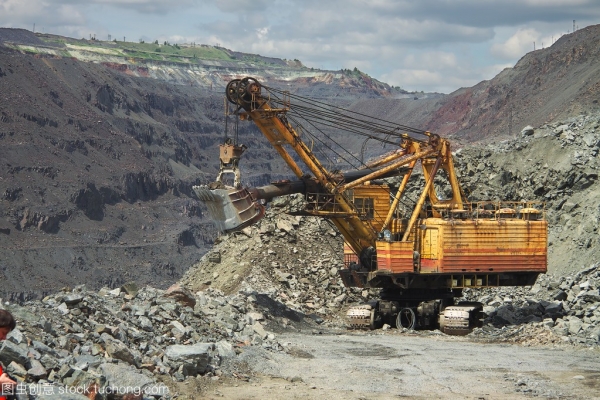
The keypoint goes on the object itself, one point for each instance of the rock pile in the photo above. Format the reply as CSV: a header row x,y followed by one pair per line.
x,y
555,310
130,340
293,259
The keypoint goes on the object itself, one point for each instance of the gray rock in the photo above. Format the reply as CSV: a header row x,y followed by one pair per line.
x,y
15,336
225,349
552,308
194,358
527,131
255,316
284,225
41,347
37,370
589,296
131,288
548,323
73,299
575,326
49,362
340,299
590,139
10,352
90,360
146,324
561,328
80,379
118,350
65,371
560,295
489,310
48,327
260,330
568,206
179,326
125,379
505,315
560,129
16,369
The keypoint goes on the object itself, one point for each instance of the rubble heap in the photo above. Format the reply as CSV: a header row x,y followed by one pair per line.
x,y
129,339
562,309
292,259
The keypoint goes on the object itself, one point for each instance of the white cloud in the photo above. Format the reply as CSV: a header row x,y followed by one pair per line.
x,y
243,6
142,6
436,71
517,45
24,13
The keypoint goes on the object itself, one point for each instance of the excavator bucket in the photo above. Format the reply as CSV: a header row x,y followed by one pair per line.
x,y
231,209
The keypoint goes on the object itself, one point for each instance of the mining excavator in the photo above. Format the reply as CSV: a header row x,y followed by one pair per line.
x,y
422,252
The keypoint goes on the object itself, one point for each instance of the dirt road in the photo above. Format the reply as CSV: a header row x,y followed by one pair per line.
x,y
390,365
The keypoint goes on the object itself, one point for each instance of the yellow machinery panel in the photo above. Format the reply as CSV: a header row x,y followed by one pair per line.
x,y
479,245
396,257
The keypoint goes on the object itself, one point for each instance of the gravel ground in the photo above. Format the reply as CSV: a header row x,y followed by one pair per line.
x,y
386,365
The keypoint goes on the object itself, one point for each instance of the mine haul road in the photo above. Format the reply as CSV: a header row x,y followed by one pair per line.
x,y
392,365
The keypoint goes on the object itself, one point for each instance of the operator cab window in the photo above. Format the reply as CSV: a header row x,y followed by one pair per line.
x,y
364,206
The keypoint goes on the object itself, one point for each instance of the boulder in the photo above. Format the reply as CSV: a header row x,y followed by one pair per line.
x,y
124,379
193,358
10,352
527,131
181,295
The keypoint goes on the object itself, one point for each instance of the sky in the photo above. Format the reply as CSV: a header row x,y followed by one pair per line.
x,y
418,45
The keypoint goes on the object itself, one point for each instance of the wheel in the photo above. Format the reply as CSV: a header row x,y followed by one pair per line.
x,y
246,89
375,322
231,91
406,319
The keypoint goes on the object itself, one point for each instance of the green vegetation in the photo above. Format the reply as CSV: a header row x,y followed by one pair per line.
x,y
155,51
356,73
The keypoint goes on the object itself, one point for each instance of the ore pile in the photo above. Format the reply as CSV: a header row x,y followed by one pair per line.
x,y
133,340
555,310
293,260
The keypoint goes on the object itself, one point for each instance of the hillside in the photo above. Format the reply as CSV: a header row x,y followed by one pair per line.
x,y
546,85
207,68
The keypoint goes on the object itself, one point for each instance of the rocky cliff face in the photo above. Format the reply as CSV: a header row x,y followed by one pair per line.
x,y
96,175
